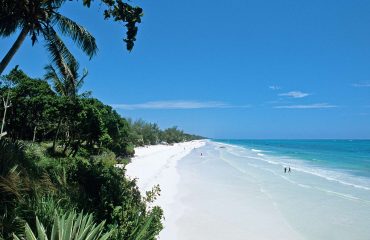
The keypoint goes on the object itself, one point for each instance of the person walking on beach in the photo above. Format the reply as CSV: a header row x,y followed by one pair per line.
x,y
285,170
289,170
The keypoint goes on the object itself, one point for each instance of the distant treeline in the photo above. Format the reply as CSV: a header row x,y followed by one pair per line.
x,y
144,133
40,113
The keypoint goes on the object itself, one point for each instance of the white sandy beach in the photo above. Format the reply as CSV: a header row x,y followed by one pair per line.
x,y
185,218
157,164
215,191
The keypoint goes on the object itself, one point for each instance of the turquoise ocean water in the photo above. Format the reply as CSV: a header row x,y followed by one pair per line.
x,y
345,161
230,184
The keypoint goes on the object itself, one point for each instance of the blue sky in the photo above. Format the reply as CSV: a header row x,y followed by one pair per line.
x,y
232,69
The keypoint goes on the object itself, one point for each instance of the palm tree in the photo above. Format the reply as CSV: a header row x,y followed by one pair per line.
x,y
66,85
39,17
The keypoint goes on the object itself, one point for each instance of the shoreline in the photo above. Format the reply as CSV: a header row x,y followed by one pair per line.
x,y
212,190
157,165
221,201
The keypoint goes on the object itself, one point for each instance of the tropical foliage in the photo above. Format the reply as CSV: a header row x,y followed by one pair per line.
x,y
67,227
144,133
59,155
36,184
37,18
59,147
60,114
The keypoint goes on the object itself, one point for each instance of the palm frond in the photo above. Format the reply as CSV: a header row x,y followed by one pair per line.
x,y
11,154
59,53
47,184
11,184
9,18
81,81
9,28
52,76
56,3
74,67
78,34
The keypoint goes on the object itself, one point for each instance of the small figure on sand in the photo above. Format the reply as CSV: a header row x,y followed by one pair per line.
x,y
289,170
285,170
201,154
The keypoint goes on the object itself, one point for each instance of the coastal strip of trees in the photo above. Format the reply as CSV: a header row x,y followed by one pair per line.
x,y
52,110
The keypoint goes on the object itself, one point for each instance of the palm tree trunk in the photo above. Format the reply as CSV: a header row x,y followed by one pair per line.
x,y
6,106
13,49
34,133
3,123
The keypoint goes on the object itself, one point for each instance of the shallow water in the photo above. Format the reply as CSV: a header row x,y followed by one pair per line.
x,y
343,160
242,192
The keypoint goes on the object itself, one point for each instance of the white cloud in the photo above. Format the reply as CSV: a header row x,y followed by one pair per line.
x,y
295,94
361,85
175,104
308,106
274,87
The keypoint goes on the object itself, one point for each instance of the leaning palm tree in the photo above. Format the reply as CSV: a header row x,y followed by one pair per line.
x,y
38,18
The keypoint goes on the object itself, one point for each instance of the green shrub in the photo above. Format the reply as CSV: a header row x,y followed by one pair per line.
x,y
41,184
67,227
114,198
107,158
130,150
11,154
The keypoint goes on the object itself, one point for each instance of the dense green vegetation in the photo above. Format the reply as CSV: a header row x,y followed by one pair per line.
x,y
143,133
58,156
34,184
72,121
